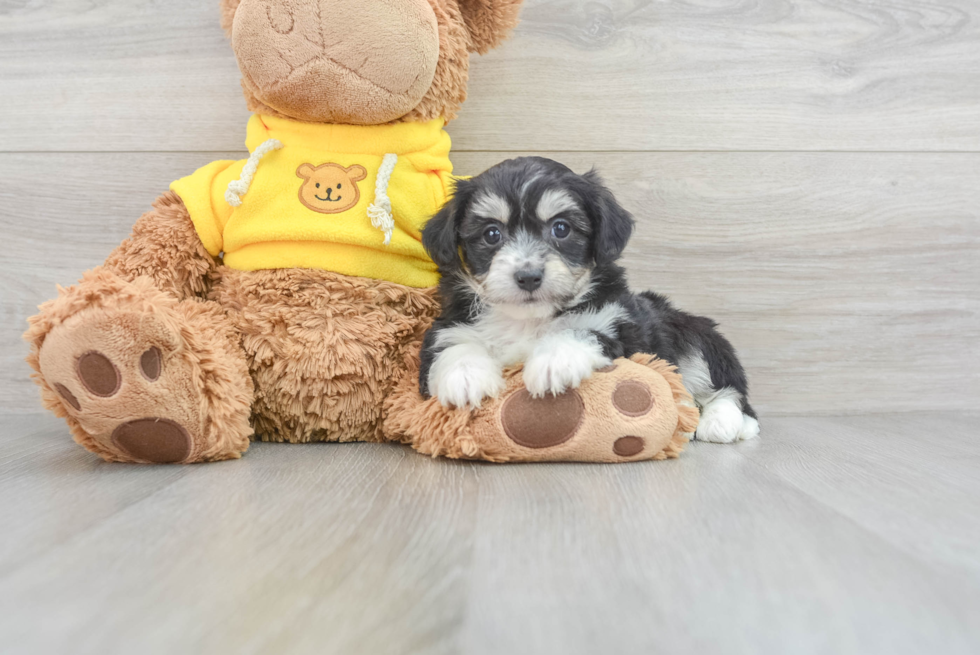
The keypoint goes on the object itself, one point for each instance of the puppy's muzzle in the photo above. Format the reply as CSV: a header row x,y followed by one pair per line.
x,y
529,279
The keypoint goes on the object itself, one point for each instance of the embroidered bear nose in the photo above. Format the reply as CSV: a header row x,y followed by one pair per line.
x,y
529,279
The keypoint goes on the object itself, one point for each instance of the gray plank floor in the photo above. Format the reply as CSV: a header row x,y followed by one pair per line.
x,y
830,535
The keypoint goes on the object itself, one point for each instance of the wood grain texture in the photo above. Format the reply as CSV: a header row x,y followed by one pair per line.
x,y
848,282
600,75
762,547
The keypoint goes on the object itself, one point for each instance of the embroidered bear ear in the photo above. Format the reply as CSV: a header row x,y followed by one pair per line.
x,y
356,173
304,171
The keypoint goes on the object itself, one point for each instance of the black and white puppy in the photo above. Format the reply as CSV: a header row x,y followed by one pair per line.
x,y
527,253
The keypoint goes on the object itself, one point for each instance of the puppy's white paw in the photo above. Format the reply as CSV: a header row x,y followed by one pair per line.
x,y
463,375
723,422
561,362
750,428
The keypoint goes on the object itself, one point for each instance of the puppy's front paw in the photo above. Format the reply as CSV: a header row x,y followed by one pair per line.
x,y
463,375
561,362
722,421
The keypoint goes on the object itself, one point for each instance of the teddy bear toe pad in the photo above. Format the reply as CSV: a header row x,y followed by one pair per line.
x,y
98,374
542,422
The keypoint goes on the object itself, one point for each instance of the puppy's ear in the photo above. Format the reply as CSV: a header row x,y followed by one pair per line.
x,y
440,236
611,224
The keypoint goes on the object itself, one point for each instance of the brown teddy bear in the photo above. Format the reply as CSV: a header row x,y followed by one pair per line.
x,y
284,297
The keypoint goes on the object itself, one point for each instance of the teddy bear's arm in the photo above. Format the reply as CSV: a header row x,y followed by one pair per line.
x,y
165,247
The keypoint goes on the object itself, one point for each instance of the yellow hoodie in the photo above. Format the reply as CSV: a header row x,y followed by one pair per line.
x,y
345,198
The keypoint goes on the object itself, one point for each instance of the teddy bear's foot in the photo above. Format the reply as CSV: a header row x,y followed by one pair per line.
x,y
141,377
631,410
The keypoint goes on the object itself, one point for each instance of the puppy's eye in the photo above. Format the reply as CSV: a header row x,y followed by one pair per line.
x,y
318,185
560,229
491,235
338,185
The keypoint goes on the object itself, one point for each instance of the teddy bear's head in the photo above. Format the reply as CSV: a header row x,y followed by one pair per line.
x,y
362,62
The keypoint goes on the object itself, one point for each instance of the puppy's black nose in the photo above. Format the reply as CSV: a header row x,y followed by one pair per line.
x,y
529,279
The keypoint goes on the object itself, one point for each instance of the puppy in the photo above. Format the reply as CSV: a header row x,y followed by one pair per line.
x,y
527,251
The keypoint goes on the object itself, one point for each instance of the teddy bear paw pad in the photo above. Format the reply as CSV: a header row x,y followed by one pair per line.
x,y
156,440
542,422
122,377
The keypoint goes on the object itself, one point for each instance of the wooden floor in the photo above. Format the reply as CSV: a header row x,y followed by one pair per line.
x,y
830,535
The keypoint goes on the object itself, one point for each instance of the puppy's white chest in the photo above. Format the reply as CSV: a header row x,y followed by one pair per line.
x,y
507,340
511,341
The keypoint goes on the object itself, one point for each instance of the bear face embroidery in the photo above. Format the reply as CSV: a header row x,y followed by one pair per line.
x,y
330,188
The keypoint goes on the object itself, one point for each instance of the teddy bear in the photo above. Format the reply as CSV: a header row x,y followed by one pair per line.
x,y
284,297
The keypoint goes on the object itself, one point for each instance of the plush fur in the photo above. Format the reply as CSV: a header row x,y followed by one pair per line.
x,y
527,251
324,349
165,248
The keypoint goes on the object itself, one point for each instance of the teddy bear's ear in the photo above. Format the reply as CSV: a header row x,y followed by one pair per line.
x,y
305,171
228,8
488,21
356,173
